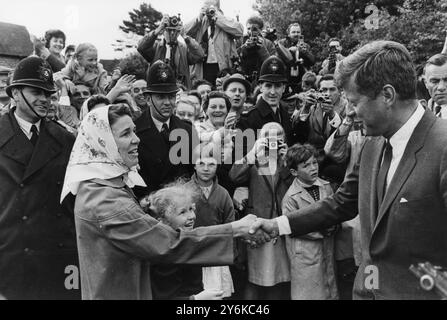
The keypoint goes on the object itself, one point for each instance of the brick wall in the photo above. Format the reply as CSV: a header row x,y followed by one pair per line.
x,y
9,62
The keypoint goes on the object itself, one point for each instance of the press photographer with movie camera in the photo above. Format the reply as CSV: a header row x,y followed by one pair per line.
x,y
216,33
169,43
255,50
334,57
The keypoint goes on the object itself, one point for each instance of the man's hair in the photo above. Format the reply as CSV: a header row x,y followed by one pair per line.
x,y
200,82
377,64
299,153
97,99
256,20
295,24
53,33
438,60
195,94
310,79
214,95
70,47
334,39
117,111
326,77
83,47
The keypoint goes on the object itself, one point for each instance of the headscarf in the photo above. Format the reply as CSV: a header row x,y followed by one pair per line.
x,y
95,155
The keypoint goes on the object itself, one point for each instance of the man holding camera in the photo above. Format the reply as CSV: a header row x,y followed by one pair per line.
x,y
216,34
302,58
167,43
255,50
334,57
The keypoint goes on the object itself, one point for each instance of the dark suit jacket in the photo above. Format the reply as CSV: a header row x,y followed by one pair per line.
x,y
156,166
37,233
409,226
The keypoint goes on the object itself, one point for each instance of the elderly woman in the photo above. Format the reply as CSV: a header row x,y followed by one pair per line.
x,y
116,239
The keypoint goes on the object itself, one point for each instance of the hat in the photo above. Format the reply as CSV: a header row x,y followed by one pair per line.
x,y
273,70
32,72
161,79
237,77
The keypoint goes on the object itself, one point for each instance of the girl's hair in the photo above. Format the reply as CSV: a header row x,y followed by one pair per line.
x,y
161,202
299,153
213,95
53,33
116,112
97,99
83,47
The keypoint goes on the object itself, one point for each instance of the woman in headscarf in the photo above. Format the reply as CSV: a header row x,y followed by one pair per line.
x,y
116,239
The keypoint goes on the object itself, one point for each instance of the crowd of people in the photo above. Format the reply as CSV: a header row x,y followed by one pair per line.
x,y
231,171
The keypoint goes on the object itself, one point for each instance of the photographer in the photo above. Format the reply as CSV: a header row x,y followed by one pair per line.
x,y
334,57
302,58
172,47
255,50
216,34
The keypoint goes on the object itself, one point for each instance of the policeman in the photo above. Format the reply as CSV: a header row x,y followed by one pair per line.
x,y
269,108
37,232
159,130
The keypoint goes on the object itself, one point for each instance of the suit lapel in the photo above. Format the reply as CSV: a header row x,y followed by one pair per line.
x,y
407,163
375,154
46,149
13,142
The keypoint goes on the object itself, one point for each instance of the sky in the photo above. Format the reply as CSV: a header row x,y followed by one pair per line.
x,y
97,21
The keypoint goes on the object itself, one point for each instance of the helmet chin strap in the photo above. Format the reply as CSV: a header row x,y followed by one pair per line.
x,y
31,108
156,109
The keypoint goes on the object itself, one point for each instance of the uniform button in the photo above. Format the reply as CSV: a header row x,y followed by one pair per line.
x,y
60,245
22,185
59,215
26,250
24,218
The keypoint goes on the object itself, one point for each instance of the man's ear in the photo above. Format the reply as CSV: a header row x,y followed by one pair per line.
x,y
389,94
15,93
293,172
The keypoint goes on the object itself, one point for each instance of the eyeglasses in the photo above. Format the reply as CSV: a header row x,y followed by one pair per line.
x,y
138,90
83,94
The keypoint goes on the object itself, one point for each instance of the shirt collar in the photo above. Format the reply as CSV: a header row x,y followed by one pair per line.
x,y
159,124
25,125
400,139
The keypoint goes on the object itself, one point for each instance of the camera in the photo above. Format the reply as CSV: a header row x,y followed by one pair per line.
x,y
270,34
210,12
322,99
273,144
174,22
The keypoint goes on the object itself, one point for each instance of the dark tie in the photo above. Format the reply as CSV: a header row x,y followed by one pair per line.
x,y
314,191
165,132
383,172
437,110
276,117
34,135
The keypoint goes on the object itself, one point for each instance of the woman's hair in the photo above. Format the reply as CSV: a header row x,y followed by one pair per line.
x,y
299,153
83,47
116,112
162,201
213,95
53,33
97,99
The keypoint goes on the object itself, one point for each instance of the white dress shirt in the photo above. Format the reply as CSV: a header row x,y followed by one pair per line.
x,y
26,126
159,124
398,142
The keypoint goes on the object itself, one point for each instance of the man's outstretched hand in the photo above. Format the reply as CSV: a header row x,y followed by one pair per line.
x,y
269,227
242,227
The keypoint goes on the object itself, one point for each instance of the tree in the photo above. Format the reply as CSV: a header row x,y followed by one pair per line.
x,y
142,20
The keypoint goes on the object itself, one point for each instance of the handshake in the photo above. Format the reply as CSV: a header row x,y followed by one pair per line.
x,y
255,231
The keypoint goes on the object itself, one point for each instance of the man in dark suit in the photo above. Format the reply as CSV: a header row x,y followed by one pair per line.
x,y
399,183
39,259
162,134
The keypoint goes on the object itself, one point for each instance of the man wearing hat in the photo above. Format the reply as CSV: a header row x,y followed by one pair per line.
x,y
154,128
269,108
37,234
237,88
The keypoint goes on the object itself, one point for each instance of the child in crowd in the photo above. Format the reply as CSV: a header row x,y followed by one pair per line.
x,y
311,256
85,69
174,207
213,207
268,179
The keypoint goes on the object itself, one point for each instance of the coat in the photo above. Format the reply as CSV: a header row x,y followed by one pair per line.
x,y
227,30
312,269
188,52
157,168
268,265
117,242
37,233
409,226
